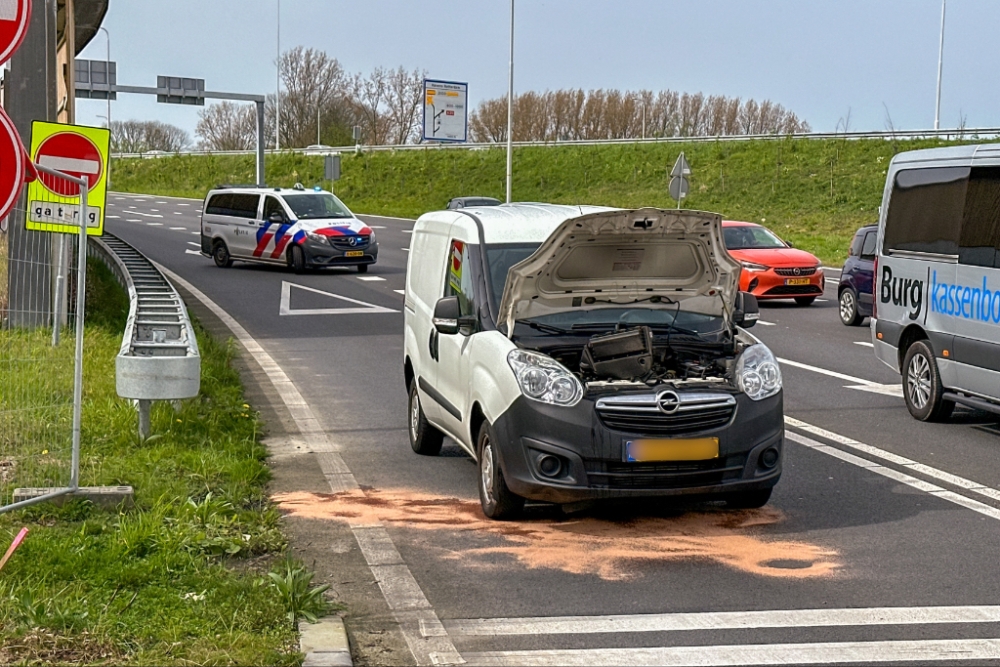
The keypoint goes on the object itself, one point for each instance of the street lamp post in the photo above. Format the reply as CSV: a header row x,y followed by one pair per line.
x,y
937,108
277,87
107,72
510,103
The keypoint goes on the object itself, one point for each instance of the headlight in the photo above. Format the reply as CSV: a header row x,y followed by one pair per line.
x,y
757,373
544,379
750,266
317,238
371,237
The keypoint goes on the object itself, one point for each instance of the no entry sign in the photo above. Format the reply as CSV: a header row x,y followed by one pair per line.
x,y
78,151
12,164
14,17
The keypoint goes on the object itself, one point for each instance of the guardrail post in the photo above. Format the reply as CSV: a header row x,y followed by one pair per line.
x,y
144,419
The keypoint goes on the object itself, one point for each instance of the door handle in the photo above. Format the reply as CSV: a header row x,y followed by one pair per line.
x,y
432,345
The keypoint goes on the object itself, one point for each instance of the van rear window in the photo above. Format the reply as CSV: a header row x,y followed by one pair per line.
x,y
925,210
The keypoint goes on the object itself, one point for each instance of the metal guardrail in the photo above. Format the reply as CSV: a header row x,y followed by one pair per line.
x,y
953,134
159,358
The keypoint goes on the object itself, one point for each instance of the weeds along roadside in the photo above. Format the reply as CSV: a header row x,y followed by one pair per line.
x,y
185,576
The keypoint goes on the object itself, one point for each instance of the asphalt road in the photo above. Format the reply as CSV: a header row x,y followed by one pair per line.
x,y
887,528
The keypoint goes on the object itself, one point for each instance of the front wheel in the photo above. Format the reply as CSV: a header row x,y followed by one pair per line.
x,y
424,438
805,300
497,500
849,314
298,259
220,253
922,389
747,500
362,268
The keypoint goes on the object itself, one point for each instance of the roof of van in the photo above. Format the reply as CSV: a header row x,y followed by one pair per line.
x,y
523,222
264,190
982,151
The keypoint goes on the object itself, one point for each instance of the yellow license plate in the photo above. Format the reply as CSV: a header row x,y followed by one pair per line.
x,y
355,253
691,449
797,281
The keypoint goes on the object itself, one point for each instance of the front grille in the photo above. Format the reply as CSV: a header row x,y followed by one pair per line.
x,y
794,290
664,475
640,413
344,243
802,271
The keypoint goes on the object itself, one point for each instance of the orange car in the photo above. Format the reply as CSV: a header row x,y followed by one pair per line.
x,y
772,269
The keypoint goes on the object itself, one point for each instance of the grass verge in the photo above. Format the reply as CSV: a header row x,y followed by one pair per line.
x,y
184,577
814,192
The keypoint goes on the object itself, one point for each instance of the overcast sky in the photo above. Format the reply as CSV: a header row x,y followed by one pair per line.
x,y
819,58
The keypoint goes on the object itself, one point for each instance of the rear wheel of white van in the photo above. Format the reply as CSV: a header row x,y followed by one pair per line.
x,y
424,438
220,253
922,389
498,501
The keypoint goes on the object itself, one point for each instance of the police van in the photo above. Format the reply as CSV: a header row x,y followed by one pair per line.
x,y
936,313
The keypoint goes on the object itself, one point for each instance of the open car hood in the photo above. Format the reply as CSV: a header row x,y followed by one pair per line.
x,y
648,257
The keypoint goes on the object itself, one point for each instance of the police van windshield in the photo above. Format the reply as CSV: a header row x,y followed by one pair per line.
x,y
313,206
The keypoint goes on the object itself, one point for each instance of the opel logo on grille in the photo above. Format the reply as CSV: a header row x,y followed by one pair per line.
x,y
668,402
797,271
353,241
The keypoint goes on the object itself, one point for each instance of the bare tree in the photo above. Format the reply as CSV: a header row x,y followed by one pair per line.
x,y
141,136
404,96
370,96
227,126
315,95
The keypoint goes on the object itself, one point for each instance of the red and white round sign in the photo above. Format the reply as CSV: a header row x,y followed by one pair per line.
x,y
72,154
12,164
14,18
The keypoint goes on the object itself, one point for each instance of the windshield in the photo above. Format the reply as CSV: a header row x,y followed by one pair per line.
x,y
319,205
750,237
500,257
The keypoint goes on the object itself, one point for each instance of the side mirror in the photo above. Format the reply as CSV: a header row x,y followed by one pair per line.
x,y
789,244
446,314
276,218
746,312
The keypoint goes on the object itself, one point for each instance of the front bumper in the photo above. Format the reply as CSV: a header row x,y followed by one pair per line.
x,y
322,254
769,285
593,461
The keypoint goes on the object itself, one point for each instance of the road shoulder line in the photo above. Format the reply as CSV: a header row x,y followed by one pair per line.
x,y
398,585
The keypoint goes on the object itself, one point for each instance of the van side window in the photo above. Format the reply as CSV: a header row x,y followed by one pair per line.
x,y
458,280
925,210
245,206
981,224
856,242
219,205
272,205
868,247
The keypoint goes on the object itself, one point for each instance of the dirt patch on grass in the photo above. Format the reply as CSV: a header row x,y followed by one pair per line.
x,y
588,545
45,648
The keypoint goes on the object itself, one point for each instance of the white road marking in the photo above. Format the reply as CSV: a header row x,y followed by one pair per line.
x,y
400,291
188,251
161,202
184,204
178,213
70,164
902,461
370,278
766,324
154,224
884,389
197,245
155,210
407,231
831,281
725,620
413,612
196,233
133,220
378,226
178,229
864,344
113,217
823,371
822,300
384,217
406,249
755,654
285,308
148,215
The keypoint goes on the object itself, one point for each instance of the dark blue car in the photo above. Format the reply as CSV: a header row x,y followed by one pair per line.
x,y
856,282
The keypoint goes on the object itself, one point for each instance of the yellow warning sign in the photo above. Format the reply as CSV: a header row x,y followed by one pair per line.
x,y
73,150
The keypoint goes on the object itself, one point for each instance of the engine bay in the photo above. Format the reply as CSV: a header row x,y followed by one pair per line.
x,y
638,356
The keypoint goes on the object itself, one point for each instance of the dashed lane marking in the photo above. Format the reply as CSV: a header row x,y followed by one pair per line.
x,y
860,384
147,215
197,245
188,251
400,291
154,224
864,344
133,220
370,278
178,229
766,324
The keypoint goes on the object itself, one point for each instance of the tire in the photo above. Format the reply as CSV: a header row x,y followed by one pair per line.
x,y
497,500
297,259
747,500
220,253
424,438
922,389
362,268
849,314
805,300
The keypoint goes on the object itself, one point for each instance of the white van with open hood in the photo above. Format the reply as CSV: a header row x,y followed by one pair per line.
x,y
581,353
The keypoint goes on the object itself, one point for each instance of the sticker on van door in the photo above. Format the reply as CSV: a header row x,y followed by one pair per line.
x,y
965,301
905,292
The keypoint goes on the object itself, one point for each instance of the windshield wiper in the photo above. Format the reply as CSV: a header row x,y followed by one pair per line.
x,y
545,328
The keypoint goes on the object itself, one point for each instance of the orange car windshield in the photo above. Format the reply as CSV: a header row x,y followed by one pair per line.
x,y
750,238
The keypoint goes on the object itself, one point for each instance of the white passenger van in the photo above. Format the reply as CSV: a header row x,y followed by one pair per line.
x,y
582,353
937,278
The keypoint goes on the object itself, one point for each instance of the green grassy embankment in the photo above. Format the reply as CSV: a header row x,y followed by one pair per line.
x,y
183,578
815,193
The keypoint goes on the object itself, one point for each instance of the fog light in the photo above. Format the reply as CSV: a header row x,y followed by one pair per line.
x,y
549,465
753,285
769,458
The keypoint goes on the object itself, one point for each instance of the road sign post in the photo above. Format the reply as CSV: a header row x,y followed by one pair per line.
x,y
679,185
446,113
80,152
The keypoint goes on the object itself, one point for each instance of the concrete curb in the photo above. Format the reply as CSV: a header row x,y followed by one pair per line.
x,y
325,643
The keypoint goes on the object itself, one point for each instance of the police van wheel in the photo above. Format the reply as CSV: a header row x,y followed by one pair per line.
x,y
362,268
297,259
922,388
849,308
220,253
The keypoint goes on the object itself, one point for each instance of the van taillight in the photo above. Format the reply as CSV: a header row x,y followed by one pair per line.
x,y
875,289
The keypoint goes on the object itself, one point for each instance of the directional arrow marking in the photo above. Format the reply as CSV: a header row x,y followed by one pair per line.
x,y
286,303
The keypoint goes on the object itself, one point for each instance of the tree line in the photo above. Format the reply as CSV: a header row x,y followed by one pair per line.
x,y
566,115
